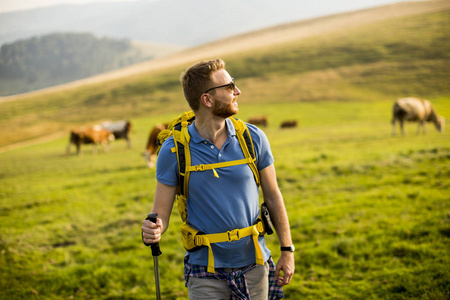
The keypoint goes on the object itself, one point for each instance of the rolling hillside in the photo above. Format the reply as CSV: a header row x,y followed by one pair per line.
x,y
382,53
369,212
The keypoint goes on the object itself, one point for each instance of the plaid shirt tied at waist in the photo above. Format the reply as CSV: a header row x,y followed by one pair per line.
x,y
236,279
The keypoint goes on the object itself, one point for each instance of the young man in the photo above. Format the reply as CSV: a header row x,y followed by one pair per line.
x,y
225,201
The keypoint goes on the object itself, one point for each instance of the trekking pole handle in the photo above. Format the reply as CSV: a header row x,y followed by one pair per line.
x,y
155,247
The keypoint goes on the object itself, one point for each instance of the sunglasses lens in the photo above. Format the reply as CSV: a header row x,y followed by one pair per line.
x,y
232,86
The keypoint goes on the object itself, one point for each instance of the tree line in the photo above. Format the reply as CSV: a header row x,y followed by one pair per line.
x,y
58,58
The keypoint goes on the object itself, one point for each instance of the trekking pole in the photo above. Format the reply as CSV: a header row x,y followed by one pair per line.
x,y
155,253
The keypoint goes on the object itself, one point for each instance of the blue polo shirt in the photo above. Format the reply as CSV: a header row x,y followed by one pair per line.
x,y
217,205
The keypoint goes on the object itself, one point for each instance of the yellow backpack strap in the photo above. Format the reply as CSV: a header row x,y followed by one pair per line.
x,y
215,166
230,236
181,138
245,140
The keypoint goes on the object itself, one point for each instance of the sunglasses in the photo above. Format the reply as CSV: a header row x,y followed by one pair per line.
x,y
231,86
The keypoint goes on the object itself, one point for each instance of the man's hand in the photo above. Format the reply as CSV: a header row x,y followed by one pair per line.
x,y
151,232
286,267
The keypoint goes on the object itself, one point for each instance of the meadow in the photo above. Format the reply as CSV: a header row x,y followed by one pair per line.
x,y
369,212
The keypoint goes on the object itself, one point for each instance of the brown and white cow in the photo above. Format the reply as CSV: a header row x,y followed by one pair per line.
x,y
152,145
415,110
90,135
258,120
288,124
120,129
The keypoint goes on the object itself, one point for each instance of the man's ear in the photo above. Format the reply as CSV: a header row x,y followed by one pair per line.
x,y
206,100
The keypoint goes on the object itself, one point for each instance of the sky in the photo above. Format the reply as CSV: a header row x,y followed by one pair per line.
x,y
15,5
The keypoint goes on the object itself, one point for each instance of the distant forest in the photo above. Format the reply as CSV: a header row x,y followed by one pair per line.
x,y
58,58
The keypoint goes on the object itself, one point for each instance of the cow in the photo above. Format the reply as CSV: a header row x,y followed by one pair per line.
x,y
120,129
90,135
415,110
289,124
258,120
152,145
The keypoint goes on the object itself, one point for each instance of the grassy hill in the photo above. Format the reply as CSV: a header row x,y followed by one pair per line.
x,y
369,213
382,60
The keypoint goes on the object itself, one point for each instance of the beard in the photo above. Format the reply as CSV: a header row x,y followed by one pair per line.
x,y
225,110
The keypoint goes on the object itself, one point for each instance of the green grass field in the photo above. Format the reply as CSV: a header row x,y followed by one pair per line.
x,y
370,213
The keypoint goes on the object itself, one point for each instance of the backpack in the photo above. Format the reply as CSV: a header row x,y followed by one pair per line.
x,y
193,239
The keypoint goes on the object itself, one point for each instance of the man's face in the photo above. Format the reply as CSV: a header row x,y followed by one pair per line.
x,y
224,99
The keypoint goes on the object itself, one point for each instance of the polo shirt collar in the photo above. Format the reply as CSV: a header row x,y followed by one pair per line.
x,y
196,138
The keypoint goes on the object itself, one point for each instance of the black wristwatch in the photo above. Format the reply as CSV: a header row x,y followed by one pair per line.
x,y
291,248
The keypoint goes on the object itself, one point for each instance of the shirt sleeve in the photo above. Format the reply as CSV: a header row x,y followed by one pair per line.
x,y
264,157
167,164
